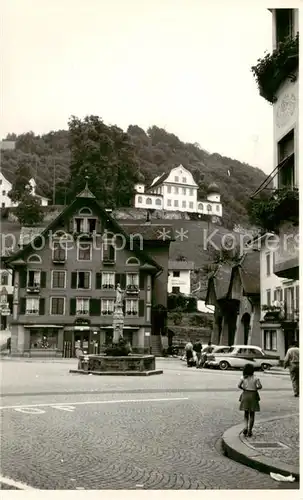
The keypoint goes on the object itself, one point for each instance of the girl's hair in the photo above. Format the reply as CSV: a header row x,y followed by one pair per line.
x,y
248,370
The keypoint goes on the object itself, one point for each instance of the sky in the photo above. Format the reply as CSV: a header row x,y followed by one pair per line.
x,y
183,65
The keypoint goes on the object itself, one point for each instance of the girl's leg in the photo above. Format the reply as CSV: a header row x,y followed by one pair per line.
x,y
246,416
251,422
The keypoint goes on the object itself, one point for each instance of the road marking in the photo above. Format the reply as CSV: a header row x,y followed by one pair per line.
x,y
65,408
15,484
78,403
31,411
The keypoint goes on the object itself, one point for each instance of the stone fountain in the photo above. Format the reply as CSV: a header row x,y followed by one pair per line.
x,y
118,359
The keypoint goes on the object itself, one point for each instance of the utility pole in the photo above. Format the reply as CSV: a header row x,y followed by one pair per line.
x,y
54,182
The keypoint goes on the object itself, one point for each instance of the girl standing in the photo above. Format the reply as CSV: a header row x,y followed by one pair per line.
x,y
249,398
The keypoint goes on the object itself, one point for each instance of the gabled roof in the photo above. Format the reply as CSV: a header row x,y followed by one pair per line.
x,y
249,270
117,228
159,181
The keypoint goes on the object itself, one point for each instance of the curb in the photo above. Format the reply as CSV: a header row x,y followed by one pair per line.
x,y
239,451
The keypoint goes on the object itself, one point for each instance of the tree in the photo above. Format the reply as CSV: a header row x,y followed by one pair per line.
x,y
29,211
21,184
107,156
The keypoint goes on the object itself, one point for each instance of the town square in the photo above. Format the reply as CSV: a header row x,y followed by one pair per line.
x,y
150,297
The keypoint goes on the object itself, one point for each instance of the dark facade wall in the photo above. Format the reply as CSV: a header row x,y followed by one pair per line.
x,y
161,255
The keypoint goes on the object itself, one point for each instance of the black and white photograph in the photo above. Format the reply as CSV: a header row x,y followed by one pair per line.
x,y
149,247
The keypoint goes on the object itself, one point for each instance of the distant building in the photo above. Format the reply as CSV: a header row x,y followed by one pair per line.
x,y
4,145
177,190
6,186
179,276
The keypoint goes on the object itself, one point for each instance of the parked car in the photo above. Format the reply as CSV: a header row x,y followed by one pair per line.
x,y
217,349
239,355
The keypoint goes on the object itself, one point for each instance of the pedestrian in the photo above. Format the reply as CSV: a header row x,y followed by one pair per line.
x,y
292,361
9,345
249,399
206,350
198,349
189,352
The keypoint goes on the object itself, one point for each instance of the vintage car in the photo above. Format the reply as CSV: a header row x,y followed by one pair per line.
x,y
217,349
239,355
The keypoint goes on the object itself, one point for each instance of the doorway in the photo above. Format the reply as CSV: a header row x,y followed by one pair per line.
x,y
81,339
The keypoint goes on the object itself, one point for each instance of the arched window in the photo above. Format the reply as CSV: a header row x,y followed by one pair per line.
x,y
139,199
34,259
85,211
132,261
209,208
218,208
158,201
200,206
148,201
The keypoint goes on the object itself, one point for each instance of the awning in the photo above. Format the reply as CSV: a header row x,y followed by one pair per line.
x,y
124,327
273,174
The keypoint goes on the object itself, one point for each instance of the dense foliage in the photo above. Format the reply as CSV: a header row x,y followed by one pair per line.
x,y
29,211
273,69
115,160
269,213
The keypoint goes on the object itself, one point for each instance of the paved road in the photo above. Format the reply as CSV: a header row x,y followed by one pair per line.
x,y
65,431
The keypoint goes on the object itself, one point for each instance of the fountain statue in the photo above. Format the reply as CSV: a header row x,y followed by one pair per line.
x,y
118,317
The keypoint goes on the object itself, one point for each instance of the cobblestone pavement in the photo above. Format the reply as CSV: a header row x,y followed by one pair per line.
x,y
127,433
285,431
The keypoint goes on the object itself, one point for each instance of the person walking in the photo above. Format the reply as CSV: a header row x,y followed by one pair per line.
x,y
291,361
205,351
249,399
189,352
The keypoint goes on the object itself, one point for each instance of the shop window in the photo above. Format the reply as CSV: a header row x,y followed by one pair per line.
x,y
44,338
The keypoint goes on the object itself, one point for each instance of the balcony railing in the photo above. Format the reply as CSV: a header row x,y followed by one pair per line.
x,y
132,289
34,288
271,71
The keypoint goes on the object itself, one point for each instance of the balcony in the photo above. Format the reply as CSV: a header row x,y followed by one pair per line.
x,y
34,288
132,290
272,313
281,207
107,286
271,71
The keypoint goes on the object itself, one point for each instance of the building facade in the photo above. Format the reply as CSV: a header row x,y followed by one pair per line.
x,y
279,260
65,279
178,191
279,297
6,186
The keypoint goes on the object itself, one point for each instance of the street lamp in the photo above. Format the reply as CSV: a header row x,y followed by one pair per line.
x,y
4,307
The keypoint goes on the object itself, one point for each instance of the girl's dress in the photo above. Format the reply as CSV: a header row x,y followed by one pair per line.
x,y
249,399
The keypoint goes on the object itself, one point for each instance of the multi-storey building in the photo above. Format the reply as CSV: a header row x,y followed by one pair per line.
x,y
178,191
278,80
65,280
6,186
179,273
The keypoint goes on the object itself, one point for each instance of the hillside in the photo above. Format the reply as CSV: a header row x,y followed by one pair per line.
x,y
156,151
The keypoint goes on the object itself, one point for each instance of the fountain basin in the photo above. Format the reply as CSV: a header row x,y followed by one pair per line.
x,y
133,364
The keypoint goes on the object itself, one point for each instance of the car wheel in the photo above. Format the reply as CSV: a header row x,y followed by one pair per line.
x,y
265,366
224,365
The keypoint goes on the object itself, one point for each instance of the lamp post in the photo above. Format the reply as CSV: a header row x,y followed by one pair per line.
x,y
4,308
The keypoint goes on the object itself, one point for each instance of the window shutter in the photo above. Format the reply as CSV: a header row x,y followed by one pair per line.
x,y
98,281
41,307
123,306
22,306
74,280
123,281
141,281
23,278
43,279
71,225
117,279
141,308
95,307
72,307
87,279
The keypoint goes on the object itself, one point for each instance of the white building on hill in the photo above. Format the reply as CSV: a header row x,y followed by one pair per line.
x,y
178,191
6,186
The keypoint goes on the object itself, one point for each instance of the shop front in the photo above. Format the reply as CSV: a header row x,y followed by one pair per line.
x,y
43,340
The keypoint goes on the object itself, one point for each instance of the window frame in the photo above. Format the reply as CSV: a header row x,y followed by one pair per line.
x,y
51,305
36,313
52,279
90,279
79,312
272,332
133,312
89,244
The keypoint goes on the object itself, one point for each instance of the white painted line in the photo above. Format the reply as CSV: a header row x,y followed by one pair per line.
x,y
65,408
15,484
31,411
115,401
